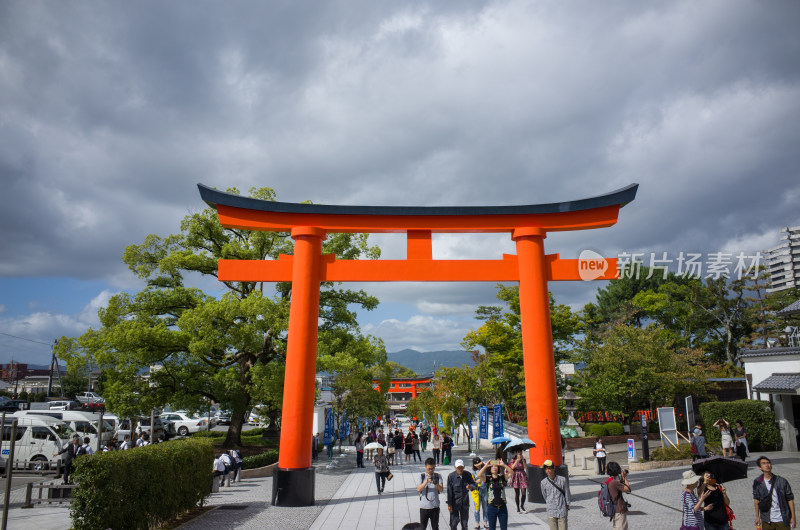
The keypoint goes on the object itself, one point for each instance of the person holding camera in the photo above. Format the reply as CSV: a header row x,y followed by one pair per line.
x,y
714,513
429,486
619,485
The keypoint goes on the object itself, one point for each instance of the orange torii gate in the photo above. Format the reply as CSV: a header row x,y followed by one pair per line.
x,y
309,224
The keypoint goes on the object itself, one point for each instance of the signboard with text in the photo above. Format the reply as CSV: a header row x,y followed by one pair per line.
x,y
497,422
483,422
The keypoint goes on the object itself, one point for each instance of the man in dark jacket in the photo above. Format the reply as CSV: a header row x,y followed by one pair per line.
x,y
72,450
459,499
779,512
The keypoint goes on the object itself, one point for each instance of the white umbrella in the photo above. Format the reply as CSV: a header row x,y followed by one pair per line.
x,y
373,445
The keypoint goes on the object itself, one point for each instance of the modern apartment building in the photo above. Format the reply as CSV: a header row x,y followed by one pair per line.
x,y
783,261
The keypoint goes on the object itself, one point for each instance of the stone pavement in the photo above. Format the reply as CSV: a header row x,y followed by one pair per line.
x,y
347,498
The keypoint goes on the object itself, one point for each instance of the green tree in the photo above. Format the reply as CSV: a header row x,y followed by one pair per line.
x,y
500,337
197,347
637,368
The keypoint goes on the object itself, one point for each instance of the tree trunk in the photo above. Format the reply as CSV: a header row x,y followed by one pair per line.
x,y
234,436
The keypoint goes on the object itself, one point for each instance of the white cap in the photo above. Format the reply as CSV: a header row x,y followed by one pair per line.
x,y
459,463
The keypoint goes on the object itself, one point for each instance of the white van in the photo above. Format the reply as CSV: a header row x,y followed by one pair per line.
x,y
83,423
38,438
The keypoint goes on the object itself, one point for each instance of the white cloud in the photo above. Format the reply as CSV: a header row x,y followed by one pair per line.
x,y
422,333
3,309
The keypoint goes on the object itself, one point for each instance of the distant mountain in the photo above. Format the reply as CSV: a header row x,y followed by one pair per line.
x,y
423,363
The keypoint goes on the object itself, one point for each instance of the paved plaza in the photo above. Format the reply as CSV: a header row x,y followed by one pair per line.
x,y
347,498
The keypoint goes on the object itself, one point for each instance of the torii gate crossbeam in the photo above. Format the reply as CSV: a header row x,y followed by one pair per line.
x,y
309,224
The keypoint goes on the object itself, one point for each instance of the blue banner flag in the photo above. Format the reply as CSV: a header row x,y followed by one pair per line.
x,y
342,429
469,421
423,417
483,422
498,420
326,439
441,425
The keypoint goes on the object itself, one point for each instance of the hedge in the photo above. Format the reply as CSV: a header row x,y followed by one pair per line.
x,y
606,429
141,487
757,416
261,460
682,452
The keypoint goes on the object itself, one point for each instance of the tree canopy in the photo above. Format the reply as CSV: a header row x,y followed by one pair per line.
x,y
194,347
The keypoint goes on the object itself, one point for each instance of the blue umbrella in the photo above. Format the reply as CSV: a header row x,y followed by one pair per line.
x,y
523,444
501,439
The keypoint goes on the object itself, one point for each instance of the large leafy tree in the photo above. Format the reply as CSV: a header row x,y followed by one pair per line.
x,y
197,347
636,368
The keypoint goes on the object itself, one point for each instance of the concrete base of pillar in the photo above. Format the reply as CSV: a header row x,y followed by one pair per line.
x,y
293,487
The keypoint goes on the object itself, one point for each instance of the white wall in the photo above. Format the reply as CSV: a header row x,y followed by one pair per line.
x,y
762,367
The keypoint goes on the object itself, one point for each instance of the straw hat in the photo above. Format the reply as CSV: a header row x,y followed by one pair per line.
x,y
689,477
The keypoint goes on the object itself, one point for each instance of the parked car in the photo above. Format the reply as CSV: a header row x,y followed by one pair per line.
x,y
162,427
185,424
64,405
223,417
89,397
7,405
83,423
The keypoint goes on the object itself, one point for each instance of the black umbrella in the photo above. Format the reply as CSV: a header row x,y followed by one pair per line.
x,y
725,469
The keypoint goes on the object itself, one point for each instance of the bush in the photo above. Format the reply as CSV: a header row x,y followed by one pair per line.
x,y
210,434
143,487
757,416
598,430
682,452
614,429
264,459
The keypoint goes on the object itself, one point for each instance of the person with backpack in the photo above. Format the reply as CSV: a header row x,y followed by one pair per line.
x,y
429,486
496,482
612,503
773,499
555,491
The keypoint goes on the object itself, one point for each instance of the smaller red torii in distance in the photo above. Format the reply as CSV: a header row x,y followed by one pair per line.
x,y
309,224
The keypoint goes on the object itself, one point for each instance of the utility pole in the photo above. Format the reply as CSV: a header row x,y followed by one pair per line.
x,y
50,375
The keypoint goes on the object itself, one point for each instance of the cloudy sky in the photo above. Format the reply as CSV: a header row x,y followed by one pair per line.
x,y
112,112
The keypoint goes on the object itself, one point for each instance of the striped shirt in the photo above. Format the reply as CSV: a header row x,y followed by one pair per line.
x,y
691,517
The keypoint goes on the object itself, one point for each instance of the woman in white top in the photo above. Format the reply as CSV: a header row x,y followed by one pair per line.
x,y
600,454
726,436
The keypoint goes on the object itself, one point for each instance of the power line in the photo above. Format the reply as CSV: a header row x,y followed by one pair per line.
x,y
23,338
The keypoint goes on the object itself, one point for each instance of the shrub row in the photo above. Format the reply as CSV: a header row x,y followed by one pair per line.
x,y
143,487
264,459
606,429
682,452
757,416
210,434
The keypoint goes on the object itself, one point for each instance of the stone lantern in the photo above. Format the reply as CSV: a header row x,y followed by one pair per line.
x,y
570,398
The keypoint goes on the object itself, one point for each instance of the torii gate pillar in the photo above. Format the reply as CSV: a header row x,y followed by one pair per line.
x,y
541,396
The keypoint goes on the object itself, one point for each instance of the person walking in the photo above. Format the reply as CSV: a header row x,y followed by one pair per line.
x,y
555,491
87,446
773,499
381,470
699,442
618,484
480,495
447,448
237,463
409,446
496,482
692,506
459,484
390,449
109,446
429,486
359,450
600,454
71,451
126,443
725,435
399,443
519,481
423,438
417,454
740,440
437,448
715,516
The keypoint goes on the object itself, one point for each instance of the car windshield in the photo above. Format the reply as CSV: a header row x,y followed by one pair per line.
x,y
63,431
